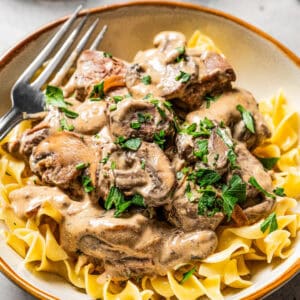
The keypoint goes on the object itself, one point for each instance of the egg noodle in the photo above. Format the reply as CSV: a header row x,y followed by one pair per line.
x,y
230,265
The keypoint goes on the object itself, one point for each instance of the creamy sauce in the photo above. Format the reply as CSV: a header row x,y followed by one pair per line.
x,y
79,160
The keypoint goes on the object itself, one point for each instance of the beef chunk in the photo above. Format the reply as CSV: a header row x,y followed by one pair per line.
x,y
92,68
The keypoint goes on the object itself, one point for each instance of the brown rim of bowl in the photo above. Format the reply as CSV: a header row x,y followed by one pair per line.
x,y
8,56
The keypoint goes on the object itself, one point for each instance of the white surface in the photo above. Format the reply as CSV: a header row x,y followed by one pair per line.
x,y
280,18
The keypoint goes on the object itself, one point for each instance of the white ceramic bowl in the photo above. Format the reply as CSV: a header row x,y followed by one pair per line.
x,y
262,64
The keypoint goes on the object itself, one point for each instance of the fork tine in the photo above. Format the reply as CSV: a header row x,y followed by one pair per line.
x,y
61,74
99,38
42,78
28,73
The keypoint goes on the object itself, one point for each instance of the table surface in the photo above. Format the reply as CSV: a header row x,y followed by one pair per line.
x,y
280,18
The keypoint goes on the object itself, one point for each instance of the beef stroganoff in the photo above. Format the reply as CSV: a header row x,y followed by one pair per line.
x,y
153,178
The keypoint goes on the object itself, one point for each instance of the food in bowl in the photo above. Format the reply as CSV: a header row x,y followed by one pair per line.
x,y
155,177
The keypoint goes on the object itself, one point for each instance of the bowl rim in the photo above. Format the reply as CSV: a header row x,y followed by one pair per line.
x,y
11,52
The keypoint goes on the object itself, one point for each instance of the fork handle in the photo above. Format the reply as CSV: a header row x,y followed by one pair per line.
x,y
9,120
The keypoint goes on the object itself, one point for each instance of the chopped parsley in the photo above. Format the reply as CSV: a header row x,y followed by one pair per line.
x,y
161,111
205,127
208,99
168,105
98,91
160,138
135,125
130,144
232,194
204,177
225,137
187,275
86,182
202,150
65,126
183,77
117,99
181,54
143,164
247,118
112,107
146,80
268,162
104,160
117,199
270,222
141,118
231,156
279,191
82,165
208,204
107,54
112,165
255,184
54,96
69,113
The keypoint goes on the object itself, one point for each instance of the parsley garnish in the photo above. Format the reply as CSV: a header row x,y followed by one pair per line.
x,y
143,164
98,91
231,156
279,191
202,150
117,199
82,165
65,126
270,222
112,165
117,99
104,160
135,125
181,53
205,127
232,194
112,107
107,54
247,118
69,113
208,204
204,177
254,183
155,102
187,275
54,96
146,80
130,144
226,139
87,184
160,138
183,77
209,99
268,162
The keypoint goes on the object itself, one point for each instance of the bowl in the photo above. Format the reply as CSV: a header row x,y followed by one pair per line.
x,y
263,65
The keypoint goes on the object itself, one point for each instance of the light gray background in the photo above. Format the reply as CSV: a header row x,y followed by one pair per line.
x,y
280,18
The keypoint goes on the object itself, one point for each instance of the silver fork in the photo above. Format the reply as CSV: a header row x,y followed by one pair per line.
x,y
27,97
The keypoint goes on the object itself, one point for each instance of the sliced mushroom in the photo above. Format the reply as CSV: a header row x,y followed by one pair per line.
x,y
147,172
224,109
57,157
141,118
92,117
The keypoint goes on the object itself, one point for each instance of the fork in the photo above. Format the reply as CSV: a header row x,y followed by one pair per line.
x,y
27,97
